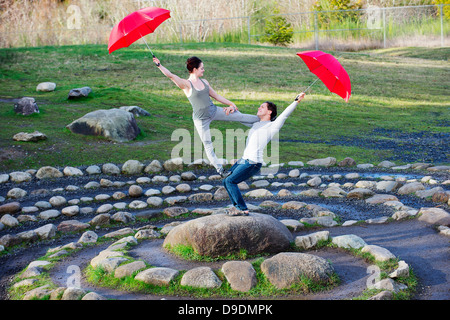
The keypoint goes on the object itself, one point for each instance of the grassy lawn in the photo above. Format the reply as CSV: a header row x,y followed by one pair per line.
x,y
402,89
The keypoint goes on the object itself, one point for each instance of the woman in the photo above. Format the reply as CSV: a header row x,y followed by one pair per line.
x,y
199,92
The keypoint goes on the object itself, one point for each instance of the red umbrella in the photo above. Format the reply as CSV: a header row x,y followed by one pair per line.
x,y
136,25
328,69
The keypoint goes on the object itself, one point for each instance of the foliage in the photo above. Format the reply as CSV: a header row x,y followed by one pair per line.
x,y
326,19
446,9
278,31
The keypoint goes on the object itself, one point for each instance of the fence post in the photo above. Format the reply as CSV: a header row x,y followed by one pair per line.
x,y
441,9
384,27
248,31
316,30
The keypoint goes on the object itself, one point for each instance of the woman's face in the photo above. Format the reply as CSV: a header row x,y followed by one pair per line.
x,y
201,69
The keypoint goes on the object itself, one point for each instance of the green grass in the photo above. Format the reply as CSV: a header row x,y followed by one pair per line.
x,y
404,89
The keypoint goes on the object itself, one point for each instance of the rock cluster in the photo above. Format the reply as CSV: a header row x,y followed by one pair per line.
x,y
118,195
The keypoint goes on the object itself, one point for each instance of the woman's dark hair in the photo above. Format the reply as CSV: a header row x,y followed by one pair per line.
x,y
193,63
272,107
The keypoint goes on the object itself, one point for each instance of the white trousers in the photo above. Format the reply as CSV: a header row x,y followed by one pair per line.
x,y
202,127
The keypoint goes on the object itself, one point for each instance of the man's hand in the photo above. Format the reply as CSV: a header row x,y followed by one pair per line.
x,y
230,109
300,96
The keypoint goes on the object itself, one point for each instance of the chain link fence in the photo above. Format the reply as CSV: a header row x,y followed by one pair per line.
x,y
346,30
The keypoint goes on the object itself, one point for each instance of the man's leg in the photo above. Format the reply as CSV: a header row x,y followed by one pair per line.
x,y
239,173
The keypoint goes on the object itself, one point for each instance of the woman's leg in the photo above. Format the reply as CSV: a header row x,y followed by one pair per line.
x,y
245,119
202,127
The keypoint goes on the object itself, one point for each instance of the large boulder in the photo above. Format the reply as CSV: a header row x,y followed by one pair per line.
x,y
114,124
220,235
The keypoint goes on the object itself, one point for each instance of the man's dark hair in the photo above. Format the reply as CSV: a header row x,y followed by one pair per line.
x,y
193,63
272,107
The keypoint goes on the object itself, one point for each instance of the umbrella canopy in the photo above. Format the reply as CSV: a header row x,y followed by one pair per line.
x,y
136,25
328,69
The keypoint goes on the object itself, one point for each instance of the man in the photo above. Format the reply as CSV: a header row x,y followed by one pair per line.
x,y
259,136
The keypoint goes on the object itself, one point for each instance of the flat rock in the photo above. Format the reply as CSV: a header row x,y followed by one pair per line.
x,y
310,240
380,253
157,276
201,277
284,269
349,241
240,274
434,216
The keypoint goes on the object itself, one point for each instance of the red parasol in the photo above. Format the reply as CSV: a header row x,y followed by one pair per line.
x,y
135,26
328,69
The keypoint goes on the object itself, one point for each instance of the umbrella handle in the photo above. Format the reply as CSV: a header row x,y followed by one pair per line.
x,y
148,48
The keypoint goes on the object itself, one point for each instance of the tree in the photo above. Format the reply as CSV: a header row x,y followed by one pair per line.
x,y
278,31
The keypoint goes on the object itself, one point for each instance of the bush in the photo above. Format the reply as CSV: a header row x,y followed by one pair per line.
x,y
278,31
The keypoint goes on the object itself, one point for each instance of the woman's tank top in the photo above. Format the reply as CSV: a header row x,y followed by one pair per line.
x,y
202,106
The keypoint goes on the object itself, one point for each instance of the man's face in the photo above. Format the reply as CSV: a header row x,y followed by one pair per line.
x,y
263,111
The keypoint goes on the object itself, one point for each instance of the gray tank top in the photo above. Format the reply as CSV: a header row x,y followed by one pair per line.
x,y
202,106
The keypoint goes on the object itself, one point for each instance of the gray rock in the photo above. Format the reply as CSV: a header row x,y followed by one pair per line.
x,y
46,86
9,221
88,237
201,277
349,241
153,167
434,216
47,231
48,172
49,214
325,162
114,124
310,240
26,106
360,193
175,211
381,198
29,137
73,293
293,205
411,187
284,269
379,253
157,276
132,167
240,274
16,193
79,93
72,226
259,193
93,296
175,164
136,111
128,269
220,234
